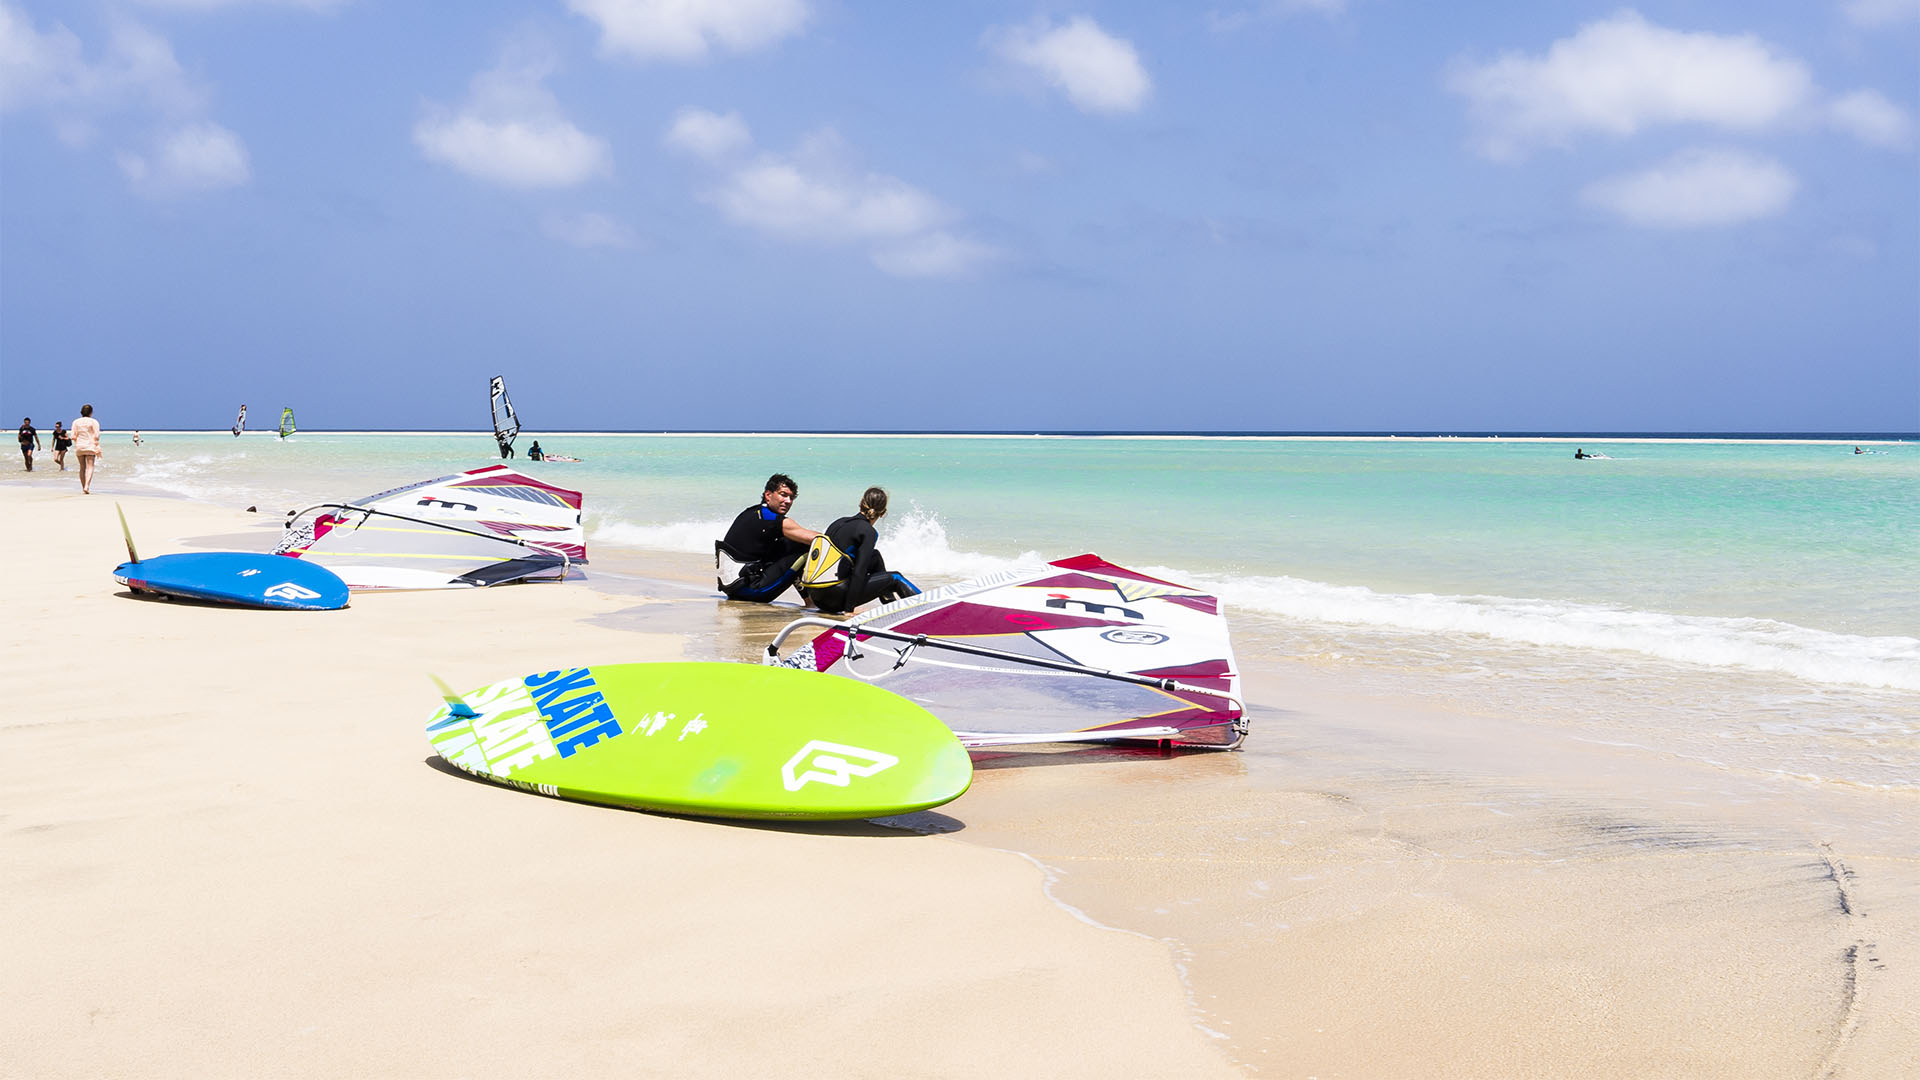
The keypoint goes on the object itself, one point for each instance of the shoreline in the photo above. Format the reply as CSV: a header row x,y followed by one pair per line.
x,y
1876,439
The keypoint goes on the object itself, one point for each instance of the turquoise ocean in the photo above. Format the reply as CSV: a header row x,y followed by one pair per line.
x,y
1755,604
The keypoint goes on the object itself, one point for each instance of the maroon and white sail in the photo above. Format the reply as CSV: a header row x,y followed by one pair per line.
x,y
1076,650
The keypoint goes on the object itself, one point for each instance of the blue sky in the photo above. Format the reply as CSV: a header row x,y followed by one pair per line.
x,y
809,214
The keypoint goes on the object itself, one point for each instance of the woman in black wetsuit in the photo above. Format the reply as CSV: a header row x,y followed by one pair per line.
x,y
863,573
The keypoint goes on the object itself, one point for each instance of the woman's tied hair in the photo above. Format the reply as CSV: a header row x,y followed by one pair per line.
x,y
873,503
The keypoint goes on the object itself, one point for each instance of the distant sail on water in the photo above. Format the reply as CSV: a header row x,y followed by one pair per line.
x,y
286,422
506,424
240,422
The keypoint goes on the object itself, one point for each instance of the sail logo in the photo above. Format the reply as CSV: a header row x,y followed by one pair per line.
x,y
1124,636
287,590
1059,602
576,712
833,763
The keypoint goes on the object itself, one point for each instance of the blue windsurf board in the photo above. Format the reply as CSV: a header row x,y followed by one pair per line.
x,y
237,577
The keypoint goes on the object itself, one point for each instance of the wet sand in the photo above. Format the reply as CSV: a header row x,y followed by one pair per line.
x,y
1400,886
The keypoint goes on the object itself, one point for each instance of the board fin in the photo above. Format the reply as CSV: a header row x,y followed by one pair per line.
x,y
132,555
455,704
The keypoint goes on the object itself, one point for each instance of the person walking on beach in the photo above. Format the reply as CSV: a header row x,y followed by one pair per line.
x,y
766,543
62,439
29,440
136,438
86,446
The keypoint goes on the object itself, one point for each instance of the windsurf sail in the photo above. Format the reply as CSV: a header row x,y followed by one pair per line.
x,y
483,527
240,422
506,423
286,422
1073,651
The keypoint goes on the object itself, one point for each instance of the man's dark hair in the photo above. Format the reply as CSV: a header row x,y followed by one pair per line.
x,y
779,480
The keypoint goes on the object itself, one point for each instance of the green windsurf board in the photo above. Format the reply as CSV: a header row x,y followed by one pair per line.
x,y
706,739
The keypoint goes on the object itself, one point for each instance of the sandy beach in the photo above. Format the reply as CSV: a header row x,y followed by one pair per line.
x,y
229,852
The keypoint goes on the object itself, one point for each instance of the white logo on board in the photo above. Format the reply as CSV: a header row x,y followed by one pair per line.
x,y
287,590
833,763
249,573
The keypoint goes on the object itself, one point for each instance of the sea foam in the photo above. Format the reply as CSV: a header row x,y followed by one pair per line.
x,y
918,545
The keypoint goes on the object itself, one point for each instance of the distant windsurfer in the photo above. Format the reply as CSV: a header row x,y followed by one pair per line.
x,y
767,543
534,453
863,572
29,440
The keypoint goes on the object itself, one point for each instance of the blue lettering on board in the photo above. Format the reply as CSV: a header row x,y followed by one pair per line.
x,y
576,713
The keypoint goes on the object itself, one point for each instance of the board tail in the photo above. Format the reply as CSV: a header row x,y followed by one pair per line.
x,y
132,555
456,705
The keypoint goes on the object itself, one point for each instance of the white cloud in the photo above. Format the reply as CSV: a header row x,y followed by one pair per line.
x,y
817,195
1868,116
1622,74
1882,12
934,254
1698,188
512,132
194,158
50,70
799,199
587,230
708,135
212,5
1097,71
136,79
687,30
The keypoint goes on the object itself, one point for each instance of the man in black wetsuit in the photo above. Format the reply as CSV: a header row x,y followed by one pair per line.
x,y
863,573
29,441
766,543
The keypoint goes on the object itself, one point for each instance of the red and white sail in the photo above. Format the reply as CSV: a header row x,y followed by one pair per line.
x,y
1076,650
482,527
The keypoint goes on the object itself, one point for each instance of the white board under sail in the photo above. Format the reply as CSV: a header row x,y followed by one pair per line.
x,y
506,423
484,527
240,422
1077,650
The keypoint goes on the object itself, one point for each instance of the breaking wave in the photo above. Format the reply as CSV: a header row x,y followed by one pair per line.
x,y
918,544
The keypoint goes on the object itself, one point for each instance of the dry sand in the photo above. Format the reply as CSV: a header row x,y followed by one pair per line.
x,y
227,853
